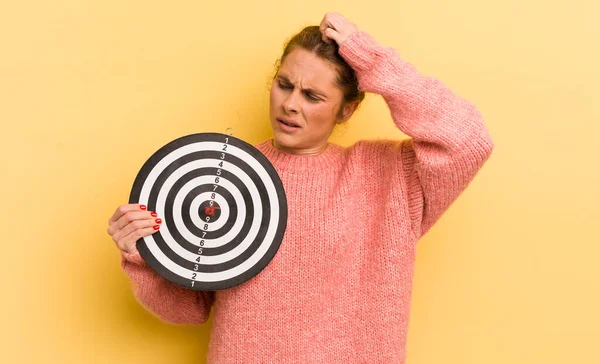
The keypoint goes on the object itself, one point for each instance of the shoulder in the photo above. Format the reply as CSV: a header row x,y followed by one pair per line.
x,y
376,149
378,157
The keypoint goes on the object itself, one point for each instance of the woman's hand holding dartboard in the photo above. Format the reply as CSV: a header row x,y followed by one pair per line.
x,y
131,222
222,208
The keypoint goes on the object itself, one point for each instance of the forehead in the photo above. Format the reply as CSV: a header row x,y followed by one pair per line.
x,y
308,69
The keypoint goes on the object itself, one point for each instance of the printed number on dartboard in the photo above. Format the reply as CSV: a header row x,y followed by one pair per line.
x,y
193,277
213,195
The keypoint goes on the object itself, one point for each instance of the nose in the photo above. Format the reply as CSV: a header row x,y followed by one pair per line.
x,y
290,104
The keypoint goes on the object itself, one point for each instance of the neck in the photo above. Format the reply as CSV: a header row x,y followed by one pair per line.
x,y
317,149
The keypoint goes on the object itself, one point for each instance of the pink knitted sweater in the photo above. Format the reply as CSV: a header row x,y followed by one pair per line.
x,y
339,288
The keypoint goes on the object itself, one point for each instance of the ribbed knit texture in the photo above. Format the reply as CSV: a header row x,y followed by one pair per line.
x,y
339,288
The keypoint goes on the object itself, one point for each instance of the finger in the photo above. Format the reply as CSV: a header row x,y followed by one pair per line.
x,y
324,36
127,218
127,244
123,209
135,225
332,34
333,20
324,23
338,18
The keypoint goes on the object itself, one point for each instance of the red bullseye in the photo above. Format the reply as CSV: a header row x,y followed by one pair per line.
x,y
210,211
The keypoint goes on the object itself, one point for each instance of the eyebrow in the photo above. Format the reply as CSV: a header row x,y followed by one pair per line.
x,y
306,90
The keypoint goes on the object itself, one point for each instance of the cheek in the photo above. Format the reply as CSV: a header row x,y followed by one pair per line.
x,y
276,98
323,115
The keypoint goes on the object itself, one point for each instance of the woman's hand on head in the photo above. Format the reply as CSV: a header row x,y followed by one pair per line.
x,y
335,26
131,222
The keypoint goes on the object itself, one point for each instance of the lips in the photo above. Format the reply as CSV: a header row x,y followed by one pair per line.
x,y
288,122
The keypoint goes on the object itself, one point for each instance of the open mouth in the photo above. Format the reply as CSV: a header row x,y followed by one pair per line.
x,y
288,124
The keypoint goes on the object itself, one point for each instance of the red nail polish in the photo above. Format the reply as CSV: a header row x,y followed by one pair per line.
x,y
154,214
143,207
158,221
156,227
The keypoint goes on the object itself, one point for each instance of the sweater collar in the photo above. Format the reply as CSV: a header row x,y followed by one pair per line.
x,y
281,160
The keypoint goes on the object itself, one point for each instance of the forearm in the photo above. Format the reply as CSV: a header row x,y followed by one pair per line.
x,y
169,302
449,140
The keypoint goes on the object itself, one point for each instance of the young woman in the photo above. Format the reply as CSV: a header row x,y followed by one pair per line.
x,y
339,288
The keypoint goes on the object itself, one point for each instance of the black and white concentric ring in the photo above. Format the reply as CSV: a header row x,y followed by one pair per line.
x,y
223,207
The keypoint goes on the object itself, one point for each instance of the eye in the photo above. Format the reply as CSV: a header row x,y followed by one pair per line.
x,y
312,98
282,86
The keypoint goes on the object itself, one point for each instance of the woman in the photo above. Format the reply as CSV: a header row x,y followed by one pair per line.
x,y
339,288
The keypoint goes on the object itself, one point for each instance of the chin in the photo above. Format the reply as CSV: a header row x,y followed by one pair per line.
x,y
286,140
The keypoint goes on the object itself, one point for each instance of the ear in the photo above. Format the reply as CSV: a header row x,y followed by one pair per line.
x,y
347,111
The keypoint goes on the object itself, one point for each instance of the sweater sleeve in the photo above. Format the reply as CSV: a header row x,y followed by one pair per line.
x,y
448,141
168,301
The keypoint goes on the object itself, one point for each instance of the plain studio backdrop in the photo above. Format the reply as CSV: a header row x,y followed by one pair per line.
x,y
89,90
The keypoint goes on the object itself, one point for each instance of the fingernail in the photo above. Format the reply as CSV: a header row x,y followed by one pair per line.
x,y
156,227
143,207
158,221
154,214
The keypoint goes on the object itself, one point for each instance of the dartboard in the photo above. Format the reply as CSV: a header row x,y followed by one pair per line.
x,y
223,207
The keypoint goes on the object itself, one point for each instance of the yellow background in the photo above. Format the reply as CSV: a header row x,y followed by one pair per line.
x,y
90,89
